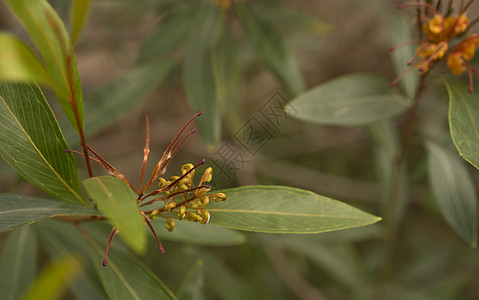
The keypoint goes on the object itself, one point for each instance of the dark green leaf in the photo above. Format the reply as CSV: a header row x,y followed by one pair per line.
x,y
111,103
271,49
49,35
126,278
464,121
79,13
198,234
18,264
54,279
118,203
173,32
350,100
17,210
31,142
61,239
193,284
19,63
281,209
198,74
454,191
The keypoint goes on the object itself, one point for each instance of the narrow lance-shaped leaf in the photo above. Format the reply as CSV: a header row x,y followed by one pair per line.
x,y
126,278
464,121
454,191
118,202
402,54
31,142
350,100
118,98
18,263
61,239
271,49
280,209
192,285
79,12
173,32
17,210
19,63
198,75
51,38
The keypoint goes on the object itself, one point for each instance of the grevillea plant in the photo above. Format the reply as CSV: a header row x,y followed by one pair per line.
x,y
32,143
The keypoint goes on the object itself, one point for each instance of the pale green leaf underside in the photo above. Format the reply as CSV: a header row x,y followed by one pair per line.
x,y
18,263
280,209
118,203
31,142
17,210
454,191
464,121
350,100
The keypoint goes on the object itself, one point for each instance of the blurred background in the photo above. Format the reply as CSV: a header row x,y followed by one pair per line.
x,y
328,39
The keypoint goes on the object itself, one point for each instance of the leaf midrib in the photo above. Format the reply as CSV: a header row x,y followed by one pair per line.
x,y
39,152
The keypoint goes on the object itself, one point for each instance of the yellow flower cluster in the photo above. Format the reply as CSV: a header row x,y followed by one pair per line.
x,y
183,198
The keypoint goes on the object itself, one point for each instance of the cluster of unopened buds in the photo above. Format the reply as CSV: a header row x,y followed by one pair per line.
x,y
181,197
178,195
442,37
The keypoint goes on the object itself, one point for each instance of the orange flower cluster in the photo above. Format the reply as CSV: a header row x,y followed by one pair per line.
x,y
440,34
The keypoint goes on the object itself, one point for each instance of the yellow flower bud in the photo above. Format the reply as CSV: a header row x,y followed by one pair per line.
x,y
170,205
218,197
154,214
208,175
170,224
162,182
182,212
186,167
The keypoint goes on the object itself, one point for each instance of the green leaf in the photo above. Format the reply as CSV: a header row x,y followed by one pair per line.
x,y
280,209
79,13
111,103
198,234
228,75
173,32
350,100
454,191
198,75
402,55
271,49
226,283
17,210
18,264
192,285
50,37
31,142
290,19
126,278
55,278
118,203
61,239
463,121
19,63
